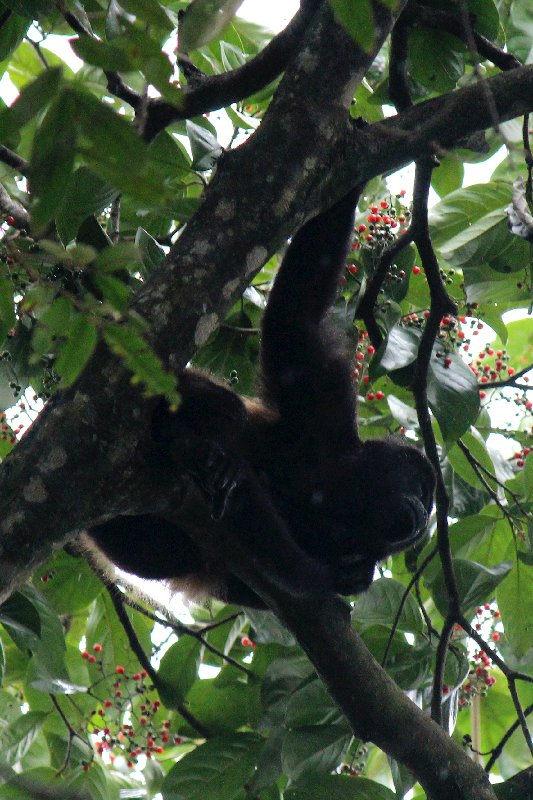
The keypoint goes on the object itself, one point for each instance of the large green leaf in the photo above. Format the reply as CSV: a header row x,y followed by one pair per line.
x,y
217,770
204,20
177,671
478,450
12,32
75,353
515,601
461,209
85,194
379,605
475,583
453,395
33,97
337,787
436,61
357,19
52,160
317,748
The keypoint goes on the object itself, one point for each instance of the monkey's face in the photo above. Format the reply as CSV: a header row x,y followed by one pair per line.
x,y
388,487
370,504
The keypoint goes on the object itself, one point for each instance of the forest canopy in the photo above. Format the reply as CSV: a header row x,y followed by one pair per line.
x,y
148,191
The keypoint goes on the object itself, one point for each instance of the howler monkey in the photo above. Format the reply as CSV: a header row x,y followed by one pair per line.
x,y
288,472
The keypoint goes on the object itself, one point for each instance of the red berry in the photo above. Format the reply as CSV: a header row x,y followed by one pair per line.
x,y
379,395
361,228
119,670
85,654
371,350
97,648
370,396
416,270
10,220
360,356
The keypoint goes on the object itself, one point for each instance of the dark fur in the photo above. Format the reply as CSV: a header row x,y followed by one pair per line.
x,y
289,473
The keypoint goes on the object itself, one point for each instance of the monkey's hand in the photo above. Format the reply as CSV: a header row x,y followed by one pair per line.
x,y
353,573
217,474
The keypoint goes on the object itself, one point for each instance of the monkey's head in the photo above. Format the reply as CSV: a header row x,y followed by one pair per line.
x,y
375,501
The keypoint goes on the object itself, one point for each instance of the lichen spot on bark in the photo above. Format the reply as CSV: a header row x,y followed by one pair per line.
x,y
225,210
35,491
255,259
57,458
205,327
229,288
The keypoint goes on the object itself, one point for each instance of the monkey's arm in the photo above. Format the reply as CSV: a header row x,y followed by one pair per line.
x,y
251,521
303,372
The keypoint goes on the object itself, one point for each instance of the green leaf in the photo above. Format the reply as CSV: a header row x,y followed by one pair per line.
x,y
17,738
461,209
401,348
177,671
478,450
204,147
515,602
380,604
337,787
453,395
114,290
32,99
204,20
7,307
152,254
56,686
71,584
102,54
19,614
357,19
12,33
404,414
122,257
312,705
217,770
108,141
86,194
475,583
52,160
33,9
449,175
487,240
142,361
231,351
317,748
435,59
77,350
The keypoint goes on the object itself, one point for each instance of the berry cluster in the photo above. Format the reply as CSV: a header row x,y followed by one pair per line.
x,y
479,679
386,219
6,431
127,723
364,353
521,455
